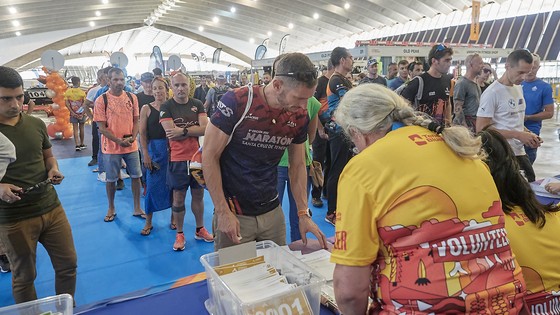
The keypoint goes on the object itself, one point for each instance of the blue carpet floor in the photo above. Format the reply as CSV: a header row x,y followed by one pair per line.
x,y
113,258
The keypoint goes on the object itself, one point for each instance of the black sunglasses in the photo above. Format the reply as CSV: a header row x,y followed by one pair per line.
x,y
301,76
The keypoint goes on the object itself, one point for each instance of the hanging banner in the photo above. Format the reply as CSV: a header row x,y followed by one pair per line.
x,y
202,56
216,55
475,22
195,57
283,43
259,52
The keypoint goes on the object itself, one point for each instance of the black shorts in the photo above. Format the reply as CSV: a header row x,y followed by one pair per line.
x,y
179,176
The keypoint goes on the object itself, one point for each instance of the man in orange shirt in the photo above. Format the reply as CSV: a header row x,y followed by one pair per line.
x,y
116,113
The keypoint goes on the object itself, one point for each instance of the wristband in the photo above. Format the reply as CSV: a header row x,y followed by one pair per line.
x,y
307,212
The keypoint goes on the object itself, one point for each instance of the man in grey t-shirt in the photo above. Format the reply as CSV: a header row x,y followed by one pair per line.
x,y
466,94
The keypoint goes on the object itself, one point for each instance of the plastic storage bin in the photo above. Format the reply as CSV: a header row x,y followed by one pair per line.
x,y
56,305
223,301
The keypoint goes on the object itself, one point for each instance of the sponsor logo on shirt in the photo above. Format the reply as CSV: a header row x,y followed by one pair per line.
x,y
250,116
194,109
226,111
421,140
534,89
161,113
431,93
262,139
511,103
291,124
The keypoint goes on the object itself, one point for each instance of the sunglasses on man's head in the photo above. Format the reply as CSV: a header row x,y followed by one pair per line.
x,y
302,76
441,47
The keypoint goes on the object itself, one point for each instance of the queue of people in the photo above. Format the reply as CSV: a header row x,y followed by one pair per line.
x,y
429,216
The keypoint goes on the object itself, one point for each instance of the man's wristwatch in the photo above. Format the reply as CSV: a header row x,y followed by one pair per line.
x,y
185,131
307,212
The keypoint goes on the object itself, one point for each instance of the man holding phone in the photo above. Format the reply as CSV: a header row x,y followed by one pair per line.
x,y
116,113
31,212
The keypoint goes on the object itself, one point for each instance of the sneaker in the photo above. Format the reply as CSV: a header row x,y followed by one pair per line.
x,y
124,175
78,148
120,184
317,202
4,264
92,162
83,147
179,242
331,218
102,177
203,235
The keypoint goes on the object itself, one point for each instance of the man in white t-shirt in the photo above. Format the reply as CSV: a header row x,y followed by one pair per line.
x,y
102,80
502,106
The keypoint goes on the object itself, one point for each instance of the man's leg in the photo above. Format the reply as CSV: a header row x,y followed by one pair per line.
x,y
531,154
525,166
319,151
75,131
57,240
272,226
247,226
19,240
82,135
132,161
197,207
112,168
178,209
94,144
340,155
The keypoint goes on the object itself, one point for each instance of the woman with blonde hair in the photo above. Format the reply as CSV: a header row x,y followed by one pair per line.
x,y
419,224
155,156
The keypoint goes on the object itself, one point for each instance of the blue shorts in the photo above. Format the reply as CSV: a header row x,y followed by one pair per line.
x,y
113,165
75,120
179,176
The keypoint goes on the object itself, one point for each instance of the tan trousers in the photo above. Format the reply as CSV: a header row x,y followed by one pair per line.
x,y
20,239
269,226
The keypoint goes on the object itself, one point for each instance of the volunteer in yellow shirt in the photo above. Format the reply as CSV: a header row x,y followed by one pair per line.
x,y
419,222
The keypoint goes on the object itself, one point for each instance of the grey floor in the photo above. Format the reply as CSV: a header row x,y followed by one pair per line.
x,y
548,155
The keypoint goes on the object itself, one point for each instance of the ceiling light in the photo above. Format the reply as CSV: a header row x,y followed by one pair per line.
x,y
97,13
15,23
104,1
315,15
291,25
347,5
251,40
18,33
12,10
269,33
232,10
201,28
91,23
215,19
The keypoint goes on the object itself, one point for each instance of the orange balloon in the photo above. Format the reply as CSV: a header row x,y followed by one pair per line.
x,y
51,130
60,120
68,132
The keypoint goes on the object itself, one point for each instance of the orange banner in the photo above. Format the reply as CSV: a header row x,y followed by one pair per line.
x,y
475,22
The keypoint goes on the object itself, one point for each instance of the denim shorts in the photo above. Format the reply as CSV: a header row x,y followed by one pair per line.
x,y
113,165
179,176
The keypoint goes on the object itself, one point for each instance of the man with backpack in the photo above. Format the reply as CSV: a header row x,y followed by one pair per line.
x,y
116,113
215,94
437,84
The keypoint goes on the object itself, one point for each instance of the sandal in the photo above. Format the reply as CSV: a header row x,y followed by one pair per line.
x,y
146,231
110,217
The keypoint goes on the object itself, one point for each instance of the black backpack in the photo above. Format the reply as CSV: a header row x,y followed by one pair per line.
x,y
106,101
219,92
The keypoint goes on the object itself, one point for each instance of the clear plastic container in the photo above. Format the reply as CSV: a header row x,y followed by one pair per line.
x,y
53,305
223,301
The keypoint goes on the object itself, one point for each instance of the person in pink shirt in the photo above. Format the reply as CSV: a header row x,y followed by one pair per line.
x,y
116,113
